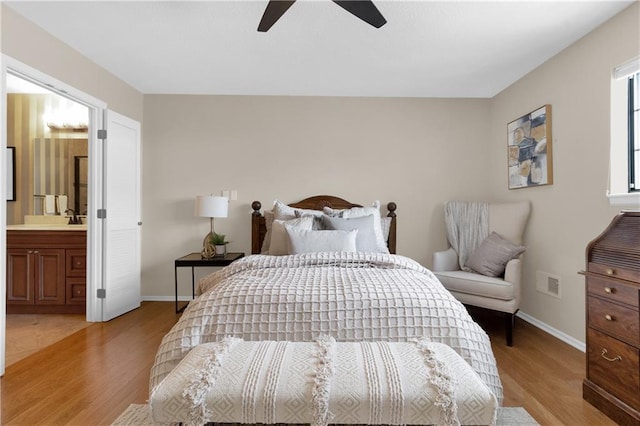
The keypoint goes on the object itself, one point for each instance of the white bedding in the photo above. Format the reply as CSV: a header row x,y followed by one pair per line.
x,y
350,296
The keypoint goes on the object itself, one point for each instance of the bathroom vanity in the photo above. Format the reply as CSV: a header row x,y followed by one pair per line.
x,y
46,268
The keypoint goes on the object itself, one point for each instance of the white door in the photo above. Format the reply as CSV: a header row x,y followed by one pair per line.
x,y
122,226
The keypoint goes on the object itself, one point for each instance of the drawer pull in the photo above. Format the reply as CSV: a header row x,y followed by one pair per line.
x,y
604,355
608,317
609,290
609,271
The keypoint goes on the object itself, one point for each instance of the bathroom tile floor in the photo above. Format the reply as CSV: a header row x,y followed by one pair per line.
x,y
28,333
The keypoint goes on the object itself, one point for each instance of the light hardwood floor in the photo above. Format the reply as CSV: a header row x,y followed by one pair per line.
x,y
29,333
90,377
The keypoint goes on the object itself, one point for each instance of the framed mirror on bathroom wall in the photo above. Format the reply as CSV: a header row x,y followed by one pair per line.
x,y
80,176
60,167
11,173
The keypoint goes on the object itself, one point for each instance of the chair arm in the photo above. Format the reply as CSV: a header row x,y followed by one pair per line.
x,y
445,260
513,275
513,271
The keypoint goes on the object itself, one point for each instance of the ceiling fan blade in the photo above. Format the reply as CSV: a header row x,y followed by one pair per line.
x,y
363,9
275,9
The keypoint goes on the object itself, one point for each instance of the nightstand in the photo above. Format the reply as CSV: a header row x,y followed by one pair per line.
x,y
194,260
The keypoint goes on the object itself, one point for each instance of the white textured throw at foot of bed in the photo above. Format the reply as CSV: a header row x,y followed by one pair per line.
x,y
323,382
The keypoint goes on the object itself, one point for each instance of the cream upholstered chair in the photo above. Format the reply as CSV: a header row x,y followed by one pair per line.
x,y
495,293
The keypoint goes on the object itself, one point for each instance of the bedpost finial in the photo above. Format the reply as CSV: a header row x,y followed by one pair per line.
x,y
256,206
392,209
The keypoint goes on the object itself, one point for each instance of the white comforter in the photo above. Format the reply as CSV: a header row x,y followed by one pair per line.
x,y
350,296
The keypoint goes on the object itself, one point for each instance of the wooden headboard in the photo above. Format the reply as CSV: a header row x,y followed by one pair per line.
x,y
317,202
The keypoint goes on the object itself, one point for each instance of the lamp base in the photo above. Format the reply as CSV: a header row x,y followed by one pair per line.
x,y
208,249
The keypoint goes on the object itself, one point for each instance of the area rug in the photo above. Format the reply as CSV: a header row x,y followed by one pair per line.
x,y
140,415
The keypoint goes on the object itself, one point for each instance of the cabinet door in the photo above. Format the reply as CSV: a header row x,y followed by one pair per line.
x,y
19,277
50,276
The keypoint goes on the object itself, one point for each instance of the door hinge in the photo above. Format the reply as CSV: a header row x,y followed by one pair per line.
x,y
102,213
102,134
102,293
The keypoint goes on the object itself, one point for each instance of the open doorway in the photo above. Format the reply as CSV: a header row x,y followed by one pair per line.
x,y
112,286
47,135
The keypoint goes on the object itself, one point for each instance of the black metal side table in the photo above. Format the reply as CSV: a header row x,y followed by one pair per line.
x,y
194,260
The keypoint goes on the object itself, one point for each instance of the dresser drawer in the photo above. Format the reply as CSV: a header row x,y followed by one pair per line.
x,y
615,290
613,366
615,271
618,321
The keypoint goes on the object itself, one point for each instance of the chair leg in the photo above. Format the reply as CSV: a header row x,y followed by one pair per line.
x,y
510,320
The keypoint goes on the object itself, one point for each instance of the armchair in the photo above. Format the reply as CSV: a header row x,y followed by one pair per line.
x,y
502,293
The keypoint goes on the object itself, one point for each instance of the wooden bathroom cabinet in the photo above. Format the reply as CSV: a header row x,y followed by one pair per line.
x,y
46,271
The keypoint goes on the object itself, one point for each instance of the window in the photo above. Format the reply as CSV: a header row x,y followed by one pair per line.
x,y
634,132
624,158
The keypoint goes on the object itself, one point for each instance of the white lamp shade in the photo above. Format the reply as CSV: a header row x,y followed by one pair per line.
x,y
212,206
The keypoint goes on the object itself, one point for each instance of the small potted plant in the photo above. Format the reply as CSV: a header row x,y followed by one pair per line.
x,y
220,243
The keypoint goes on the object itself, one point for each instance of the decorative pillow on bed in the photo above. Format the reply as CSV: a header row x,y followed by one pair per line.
x,y
491,256
386,227
366,239
269,216
316,216
278,245
364,211
285,212
281,211
304,241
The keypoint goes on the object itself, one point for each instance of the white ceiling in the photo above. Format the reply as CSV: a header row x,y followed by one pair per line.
x,y
426,49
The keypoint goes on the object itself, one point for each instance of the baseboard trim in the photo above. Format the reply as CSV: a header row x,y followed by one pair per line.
x,y
571,341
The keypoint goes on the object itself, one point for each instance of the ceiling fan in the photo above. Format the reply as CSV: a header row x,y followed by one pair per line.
x,y
363,9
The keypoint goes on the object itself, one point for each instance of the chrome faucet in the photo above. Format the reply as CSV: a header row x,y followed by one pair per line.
x,y
73,219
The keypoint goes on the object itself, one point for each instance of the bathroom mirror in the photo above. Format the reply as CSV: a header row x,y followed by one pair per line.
x,y
60,168
80,174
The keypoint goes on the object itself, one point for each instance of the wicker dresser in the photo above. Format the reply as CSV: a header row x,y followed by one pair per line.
x,y
613,320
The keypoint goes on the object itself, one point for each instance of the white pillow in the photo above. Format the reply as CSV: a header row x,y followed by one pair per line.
x,y
285,212
364,211
282,211
304,241
278,245
366,239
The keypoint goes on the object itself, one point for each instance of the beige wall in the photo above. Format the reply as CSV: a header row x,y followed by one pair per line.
x,y
31,45
416,152
574,210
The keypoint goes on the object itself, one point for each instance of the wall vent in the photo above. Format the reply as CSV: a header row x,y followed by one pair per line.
x,y
548,284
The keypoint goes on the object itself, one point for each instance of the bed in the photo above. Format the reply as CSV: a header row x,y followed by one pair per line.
x,y
349,295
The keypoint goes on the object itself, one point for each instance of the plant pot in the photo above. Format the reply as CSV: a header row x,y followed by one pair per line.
x,y
221,250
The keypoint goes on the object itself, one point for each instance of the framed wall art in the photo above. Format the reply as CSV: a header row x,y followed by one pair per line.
x,y
529,149
11,173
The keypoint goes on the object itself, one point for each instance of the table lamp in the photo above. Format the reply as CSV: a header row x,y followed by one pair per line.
x,y
210,206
